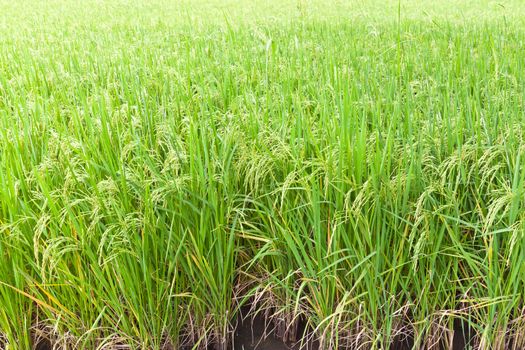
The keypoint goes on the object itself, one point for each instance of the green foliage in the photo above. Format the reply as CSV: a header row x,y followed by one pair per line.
x,y
163,163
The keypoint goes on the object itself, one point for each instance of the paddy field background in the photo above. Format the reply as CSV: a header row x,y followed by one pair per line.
x,y
350,172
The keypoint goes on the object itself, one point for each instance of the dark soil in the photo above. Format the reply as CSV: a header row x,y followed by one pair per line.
x,y
255,334
250,335
43,344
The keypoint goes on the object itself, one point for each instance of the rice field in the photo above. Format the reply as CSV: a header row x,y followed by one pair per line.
x,y
350,172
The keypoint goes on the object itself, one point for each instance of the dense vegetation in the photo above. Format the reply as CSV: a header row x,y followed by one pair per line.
x,y
356,165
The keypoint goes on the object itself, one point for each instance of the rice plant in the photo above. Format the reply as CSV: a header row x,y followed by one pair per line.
x,y
351,171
